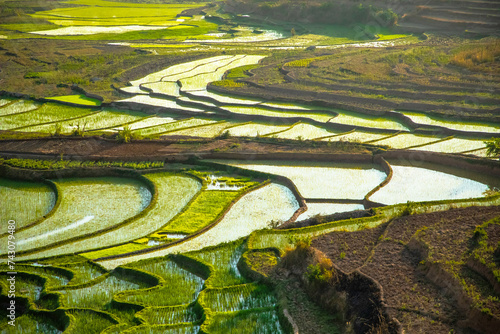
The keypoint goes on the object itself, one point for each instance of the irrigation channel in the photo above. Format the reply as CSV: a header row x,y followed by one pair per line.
x,y
154,248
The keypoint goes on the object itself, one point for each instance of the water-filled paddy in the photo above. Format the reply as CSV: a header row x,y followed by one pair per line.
x,y
225,99
253,211
255,129
173,126
314,209
148,122
404,140
49,112
454,145
304,131
157,102
418,184
452,124
106,119
322,180
174,192
17,107
200,81
356,136
92,30
255,110
24,202
178,69
355,119
87,205
208,131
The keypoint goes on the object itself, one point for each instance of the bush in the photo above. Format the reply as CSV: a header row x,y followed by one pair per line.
x,y
493,147
321,272
126,135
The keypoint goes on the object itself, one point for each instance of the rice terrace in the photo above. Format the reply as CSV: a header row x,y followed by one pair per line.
x,y
250,166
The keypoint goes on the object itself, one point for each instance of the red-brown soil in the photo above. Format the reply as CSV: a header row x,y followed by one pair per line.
x,y
411,297
99,148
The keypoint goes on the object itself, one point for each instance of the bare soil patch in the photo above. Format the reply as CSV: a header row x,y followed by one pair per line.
x,y
411,297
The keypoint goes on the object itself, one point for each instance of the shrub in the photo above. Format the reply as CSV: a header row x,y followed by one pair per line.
x,y
493,147
321,272
126,135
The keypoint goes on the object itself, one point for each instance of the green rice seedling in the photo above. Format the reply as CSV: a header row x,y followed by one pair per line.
x,y
88,321
27,285
179,286
48,113
246,322
77,99
99,295
98,12
24,202
237,298
224,260
87,205
170,315
56,276
173,194
116,250
16,107
162,329
83,272
32,323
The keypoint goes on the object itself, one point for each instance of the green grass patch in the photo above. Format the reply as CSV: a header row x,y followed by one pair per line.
x,y
77,99
201,212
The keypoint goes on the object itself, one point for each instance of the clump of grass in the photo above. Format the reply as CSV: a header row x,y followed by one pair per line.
x,y
126,135
229,83
477,58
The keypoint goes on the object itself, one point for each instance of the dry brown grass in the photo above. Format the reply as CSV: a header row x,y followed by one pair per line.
x,y
479,58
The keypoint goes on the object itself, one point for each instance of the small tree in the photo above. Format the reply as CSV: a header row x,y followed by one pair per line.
x,y
493,147
293,32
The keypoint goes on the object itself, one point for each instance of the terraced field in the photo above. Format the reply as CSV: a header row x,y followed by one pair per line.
x,y
166,166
